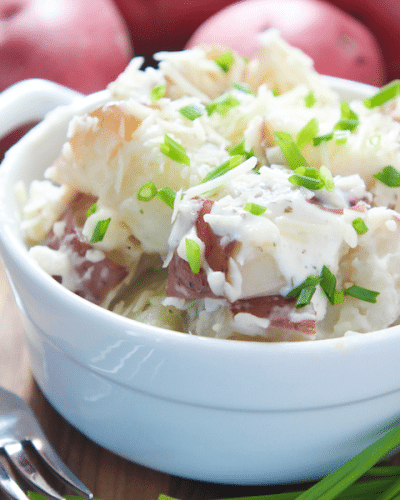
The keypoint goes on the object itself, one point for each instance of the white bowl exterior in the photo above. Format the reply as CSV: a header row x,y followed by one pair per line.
x,y
204,408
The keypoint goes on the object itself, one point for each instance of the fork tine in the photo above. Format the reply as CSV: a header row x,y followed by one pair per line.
x,y
47,453
9,486
16,453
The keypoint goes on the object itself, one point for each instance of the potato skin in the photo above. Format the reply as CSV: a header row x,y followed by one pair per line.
x,y
339,44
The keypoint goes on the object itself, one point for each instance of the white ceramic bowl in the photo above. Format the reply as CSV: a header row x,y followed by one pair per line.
x,y
208,409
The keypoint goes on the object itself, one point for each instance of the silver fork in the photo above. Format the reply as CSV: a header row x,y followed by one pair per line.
x,y
19,429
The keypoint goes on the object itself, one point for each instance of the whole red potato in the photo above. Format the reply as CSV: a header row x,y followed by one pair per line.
x,y
382,17
157,25
83,44
339,44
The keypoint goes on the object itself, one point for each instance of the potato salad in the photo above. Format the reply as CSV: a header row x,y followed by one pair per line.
x,y
230,198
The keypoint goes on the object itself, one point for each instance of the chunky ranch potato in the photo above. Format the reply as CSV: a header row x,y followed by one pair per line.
x,y
228,198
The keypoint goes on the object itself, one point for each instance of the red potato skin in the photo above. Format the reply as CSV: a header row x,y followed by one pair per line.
x,y
338,43
382,17
97,279
81,44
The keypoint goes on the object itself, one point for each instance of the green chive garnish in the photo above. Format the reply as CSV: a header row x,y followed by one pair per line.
x,y
222,104
389,176
310,281
239,149
193,255
307,133
227,165
385,94
254,208
100,230
361,293
157,92
147,192
310,99
191,111
349,119
326,176
167,195
360,226
305,296
243,87
328,285
225,61
290,150
174,150
306,182
322,138
308,177
91,210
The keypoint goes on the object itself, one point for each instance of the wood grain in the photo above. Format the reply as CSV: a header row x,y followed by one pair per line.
x,y
106,474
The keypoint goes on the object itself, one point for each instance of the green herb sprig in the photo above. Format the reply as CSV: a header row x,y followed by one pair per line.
x,y
149,191
327,281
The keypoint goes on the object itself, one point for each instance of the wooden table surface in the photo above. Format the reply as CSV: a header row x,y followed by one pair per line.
x,y
107,475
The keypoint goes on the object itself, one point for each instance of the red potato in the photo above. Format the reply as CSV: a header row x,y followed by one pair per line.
x,y
78,43
339,44
383,19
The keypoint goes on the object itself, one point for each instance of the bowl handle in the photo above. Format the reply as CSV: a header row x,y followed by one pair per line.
x,y
29,101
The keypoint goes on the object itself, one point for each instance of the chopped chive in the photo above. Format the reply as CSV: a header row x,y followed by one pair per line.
x,y
308,177
322,138
348,124
100,230
346,112
306,182
227,165
254,208
340,136
243,87
326,176
310,281
307,133
389,176
193,255
191,111
385,94
222,104
174,150
375,140
91,210
328,285
290,150
167,195
360,226
239,149
305,296
147,192
361,293
225,61
157,92
310,99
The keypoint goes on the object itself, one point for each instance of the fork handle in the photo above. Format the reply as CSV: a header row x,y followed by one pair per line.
x,y
29,101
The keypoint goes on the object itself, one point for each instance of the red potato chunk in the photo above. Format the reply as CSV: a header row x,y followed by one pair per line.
x,y
91,280
182,282
278,310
